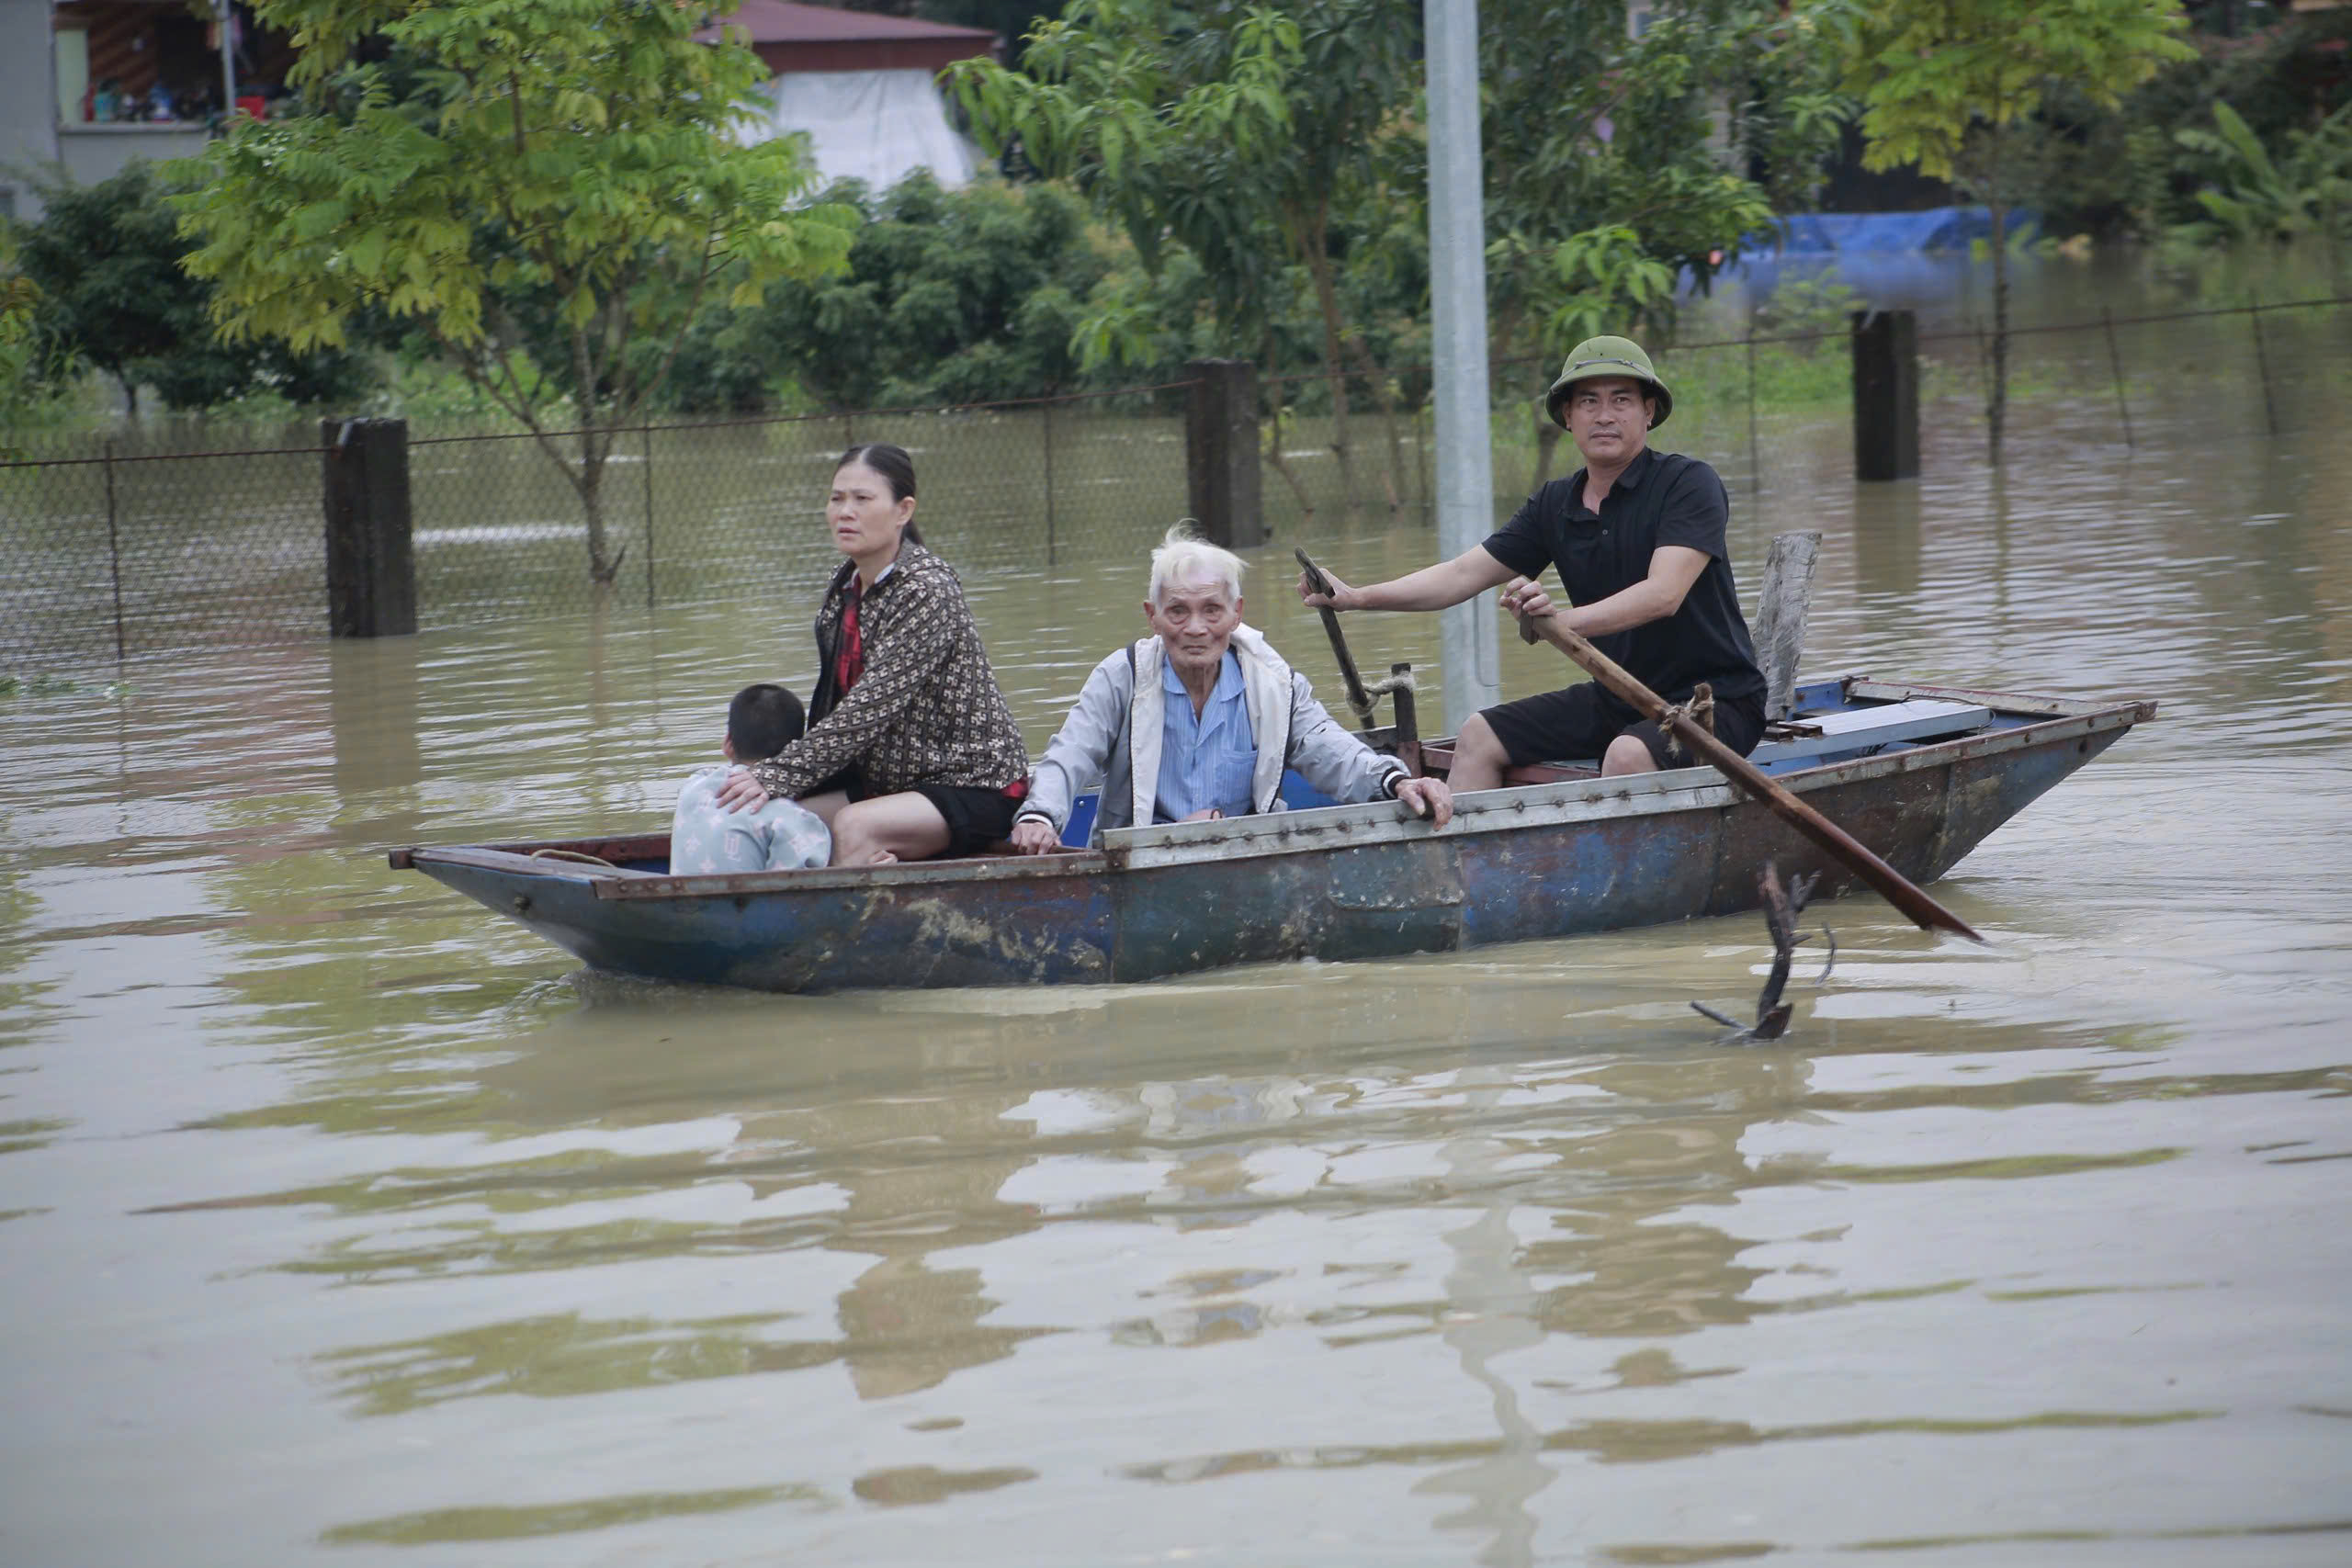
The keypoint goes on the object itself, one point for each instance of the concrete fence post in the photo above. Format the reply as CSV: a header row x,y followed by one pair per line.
x,y
1886,395
1221,474
371,565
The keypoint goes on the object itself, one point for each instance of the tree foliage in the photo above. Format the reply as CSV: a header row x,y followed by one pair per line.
x,y
557,174
1616,166
1609,157
1168,121
2250,195
949,297
1945,85
103,261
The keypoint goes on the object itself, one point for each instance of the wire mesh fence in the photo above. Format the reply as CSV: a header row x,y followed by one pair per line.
x,y
139,547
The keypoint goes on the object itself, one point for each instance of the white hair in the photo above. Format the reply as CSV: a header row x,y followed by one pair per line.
x,y
1185,559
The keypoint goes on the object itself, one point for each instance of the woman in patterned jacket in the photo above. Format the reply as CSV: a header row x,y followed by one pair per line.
x,y
910,752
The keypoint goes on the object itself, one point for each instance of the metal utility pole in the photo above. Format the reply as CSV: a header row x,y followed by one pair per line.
x,y
1465,479
225,12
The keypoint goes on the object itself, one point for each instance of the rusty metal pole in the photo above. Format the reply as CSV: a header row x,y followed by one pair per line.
x,y
1050,482
648,436
114,553
2262,368
2115,366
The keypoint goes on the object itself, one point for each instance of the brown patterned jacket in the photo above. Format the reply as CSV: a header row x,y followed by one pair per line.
x,y
926,711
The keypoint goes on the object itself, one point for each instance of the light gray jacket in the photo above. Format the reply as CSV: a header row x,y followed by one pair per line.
x,y
1113,738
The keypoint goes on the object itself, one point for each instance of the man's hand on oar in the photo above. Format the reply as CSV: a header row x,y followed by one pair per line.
x,y
1328,594
1315,583
1524,598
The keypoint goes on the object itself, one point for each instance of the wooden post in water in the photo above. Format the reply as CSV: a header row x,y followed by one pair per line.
x,y
371,565
1780,612
1221,476
1886,395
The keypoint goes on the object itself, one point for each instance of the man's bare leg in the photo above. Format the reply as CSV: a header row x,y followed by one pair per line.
x,y
1626,754
888,828
1478,757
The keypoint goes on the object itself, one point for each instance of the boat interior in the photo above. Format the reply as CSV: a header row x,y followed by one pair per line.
x,y
1829,722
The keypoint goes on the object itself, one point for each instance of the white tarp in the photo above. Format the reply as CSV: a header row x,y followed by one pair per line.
x,y
876,126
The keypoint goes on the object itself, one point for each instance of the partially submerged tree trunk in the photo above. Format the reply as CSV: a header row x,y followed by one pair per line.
x,y
588,479
1310,240
1386,394
1275,447
1547,445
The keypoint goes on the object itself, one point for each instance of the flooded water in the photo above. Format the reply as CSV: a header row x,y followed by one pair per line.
x,y
343,1222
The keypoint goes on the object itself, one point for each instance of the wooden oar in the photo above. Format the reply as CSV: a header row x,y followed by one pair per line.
x,y
1898,889
1358,698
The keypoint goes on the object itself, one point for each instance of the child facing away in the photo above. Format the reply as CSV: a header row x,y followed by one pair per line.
x,y
783,835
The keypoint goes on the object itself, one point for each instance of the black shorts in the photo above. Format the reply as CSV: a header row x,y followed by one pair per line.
x,y
974,818
1577,724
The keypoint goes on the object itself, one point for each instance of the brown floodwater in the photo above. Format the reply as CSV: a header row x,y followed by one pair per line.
x,y
342,1222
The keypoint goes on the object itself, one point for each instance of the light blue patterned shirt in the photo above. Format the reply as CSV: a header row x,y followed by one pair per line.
x,y
707,839
1205,762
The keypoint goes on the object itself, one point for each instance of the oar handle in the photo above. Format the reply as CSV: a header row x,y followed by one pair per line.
x,y
1897,890
1320,581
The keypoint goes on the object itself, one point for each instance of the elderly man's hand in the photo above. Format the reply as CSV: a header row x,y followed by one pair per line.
x,y
1427,797
741,792
1341,596
1035,835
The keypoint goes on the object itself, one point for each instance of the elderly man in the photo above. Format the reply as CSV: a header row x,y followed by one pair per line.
x,y
1200,719
1638,538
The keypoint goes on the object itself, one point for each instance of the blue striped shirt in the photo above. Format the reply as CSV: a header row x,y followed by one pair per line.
x,y
1205,762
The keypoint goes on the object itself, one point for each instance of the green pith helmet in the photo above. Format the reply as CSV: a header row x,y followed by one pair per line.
x,y
1607,356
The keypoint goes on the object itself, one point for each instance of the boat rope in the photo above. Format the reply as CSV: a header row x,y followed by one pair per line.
x,y
582,856
1699,710
1402,681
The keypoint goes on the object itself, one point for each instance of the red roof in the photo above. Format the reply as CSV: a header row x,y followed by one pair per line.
x,y
791,36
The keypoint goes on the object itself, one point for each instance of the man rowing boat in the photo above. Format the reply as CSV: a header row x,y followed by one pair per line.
x,y
1639,540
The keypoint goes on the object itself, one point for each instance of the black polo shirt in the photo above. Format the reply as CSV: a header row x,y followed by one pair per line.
x,y
1662,498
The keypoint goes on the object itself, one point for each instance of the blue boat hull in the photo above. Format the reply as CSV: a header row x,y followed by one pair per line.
x,y
1340,883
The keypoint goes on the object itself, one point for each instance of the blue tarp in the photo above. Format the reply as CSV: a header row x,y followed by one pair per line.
x,y
1937,228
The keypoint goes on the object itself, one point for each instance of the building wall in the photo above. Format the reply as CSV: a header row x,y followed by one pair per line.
x,y
27,101
94,153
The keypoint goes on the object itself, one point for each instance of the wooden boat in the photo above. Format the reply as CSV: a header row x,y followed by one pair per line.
x,y
1921,773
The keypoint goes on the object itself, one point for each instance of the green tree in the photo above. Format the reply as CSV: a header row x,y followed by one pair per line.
x,y
1236,135
19,341
1947,84
105,260
950,297
1616,165
560,173
2249,195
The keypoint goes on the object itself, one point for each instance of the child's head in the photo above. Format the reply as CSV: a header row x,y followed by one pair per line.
x,y
762,721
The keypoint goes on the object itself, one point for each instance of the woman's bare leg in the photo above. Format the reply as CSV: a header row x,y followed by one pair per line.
x,y
828,805
887,827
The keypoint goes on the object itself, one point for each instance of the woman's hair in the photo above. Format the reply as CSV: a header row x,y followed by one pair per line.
x,y
896,468
1184,557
